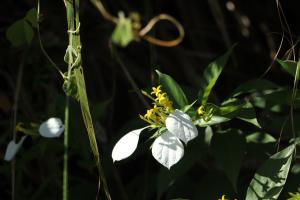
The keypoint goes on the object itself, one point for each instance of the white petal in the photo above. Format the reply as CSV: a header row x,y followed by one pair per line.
x,y
126,145
167,149
181,125
12,149
51,128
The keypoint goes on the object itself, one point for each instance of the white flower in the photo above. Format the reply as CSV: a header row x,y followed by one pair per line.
x,y
12,148
167,149
51,128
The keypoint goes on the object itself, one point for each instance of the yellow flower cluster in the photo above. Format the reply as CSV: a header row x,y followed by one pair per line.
x,y
162,106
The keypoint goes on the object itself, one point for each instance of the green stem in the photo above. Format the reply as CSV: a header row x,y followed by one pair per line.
x,y
66,134
66,147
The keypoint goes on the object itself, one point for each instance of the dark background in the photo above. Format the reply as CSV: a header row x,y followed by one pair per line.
x,y
210,27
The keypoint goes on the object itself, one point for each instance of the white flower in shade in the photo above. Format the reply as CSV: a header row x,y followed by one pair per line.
x,y
51,128
12,148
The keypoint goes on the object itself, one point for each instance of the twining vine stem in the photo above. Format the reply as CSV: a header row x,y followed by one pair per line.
x,y
142,33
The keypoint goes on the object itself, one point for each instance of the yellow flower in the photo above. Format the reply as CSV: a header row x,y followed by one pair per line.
x,y
200,110
149,114
162,107
156,90
223,198
161,98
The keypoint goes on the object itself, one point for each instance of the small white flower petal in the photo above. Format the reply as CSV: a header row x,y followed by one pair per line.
x,y
12,148
181,125
51,128
126,145
167,149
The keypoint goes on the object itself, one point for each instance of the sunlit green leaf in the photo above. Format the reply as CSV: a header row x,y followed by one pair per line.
x,y
270,178
173,89
123,34
229,149
211,75
259,137
215,119
86,112
188,107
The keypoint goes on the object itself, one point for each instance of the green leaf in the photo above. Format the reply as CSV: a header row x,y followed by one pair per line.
x,y
84,104
31,16
188,107
239,108
20,33
211,75
123,34
276,98
88,122
270,178
229,149
208,134
231,108
214,120
257,85
289,66
296,168
173,89
70,86
261,138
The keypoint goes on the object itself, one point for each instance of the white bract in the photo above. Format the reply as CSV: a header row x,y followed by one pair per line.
x,y
12,148
126,145
167,149
181,125
51,128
